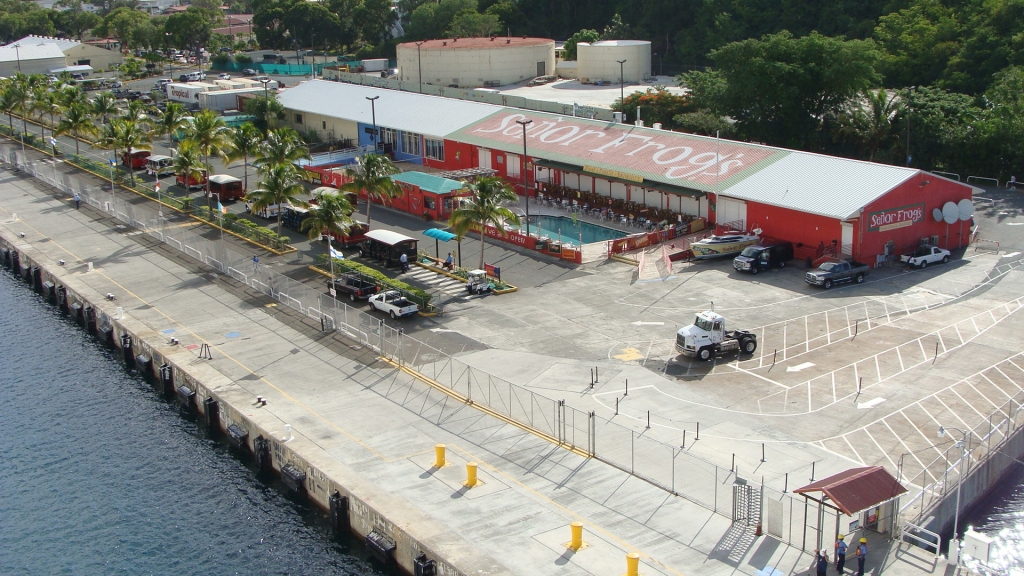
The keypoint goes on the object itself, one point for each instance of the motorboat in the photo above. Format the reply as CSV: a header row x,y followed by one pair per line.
x,y
719,246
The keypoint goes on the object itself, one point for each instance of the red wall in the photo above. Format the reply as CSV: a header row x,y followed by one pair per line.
x,y
457,156
796,227
913,194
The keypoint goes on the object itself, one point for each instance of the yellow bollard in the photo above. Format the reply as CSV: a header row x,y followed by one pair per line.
x,y
577,535
470,474
439,456
632,564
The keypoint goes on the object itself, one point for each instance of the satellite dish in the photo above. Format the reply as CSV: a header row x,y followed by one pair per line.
x,y
937,214
950,213
966,208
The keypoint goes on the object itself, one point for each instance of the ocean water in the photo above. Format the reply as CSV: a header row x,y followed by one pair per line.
x,y
1001,516
99,475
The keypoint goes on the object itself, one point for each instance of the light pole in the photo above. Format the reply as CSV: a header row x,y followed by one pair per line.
x,y
17,54
622,88
266,99
526,179
113,199
170,74
959,482
909,90
419,65
373,114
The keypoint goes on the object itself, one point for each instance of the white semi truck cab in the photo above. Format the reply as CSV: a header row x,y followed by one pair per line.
x,y
707,338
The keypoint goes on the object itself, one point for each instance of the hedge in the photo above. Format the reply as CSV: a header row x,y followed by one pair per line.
x,y
420,297
242,227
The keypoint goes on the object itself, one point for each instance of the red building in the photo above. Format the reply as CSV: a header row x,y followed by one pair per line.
x,y
427,195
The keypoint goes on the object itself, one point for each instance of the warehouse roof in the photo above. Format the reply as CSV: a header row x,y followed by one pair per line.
x,y
492,42
405,111
10,53
817,184
813,183
31,40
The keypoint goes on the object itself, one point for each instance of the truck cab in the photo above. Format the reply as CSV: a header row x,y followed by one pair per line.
x,y
707,337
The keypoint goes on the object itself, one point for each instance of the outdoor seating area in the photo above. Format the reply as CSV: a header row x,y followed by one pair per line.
x,y
623,212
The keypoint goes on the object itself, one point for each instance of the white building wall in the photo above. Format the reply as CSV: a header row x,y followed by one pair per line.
x,y
99,58
472,67
599,60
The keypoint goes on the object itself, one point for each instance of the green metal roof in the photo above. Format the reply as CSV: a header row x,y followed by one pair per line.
x,y
429,182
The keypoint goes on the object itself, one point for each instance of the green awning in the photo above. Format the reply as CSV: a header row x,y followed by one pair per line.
x,y
659,186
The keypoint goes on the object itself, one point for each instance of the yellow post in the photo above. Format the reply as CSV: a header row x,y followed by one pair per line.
x,y
577,535
632,564
470,474
439,456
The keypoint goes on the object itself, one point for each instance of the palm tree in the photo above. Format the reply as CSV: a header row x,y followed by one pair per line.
x,y
282,146
188,162
172,120
10,98
330,216
280,185
104,105
77,121
122,134
69,95
136,110
872,121
24,104
485,206
246,141
211,136
373,175
49,104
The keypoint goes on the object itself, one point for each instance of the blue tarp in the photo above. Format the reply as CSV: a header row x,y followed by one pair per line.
x,y
439,234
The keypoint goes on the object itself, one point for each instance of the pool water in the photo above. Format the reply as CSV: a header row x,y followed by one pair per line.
x,y
550,225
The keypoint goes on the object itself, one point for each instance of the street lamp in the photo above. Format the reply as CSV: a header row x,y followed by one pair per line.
x,y
167,35
266,99
17,54
526,179
419,65
959,481
373,113
622,89
909,90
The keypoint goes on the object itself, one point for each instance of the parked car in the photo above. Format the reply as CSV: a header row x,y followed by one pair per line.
x,y
393,304
262,78
249,72
926,255
223,76
831,273
355,286
763,256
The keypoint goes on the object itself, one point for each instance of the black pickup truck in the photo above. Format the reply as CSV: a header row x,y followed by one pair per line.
x,y
354,286
831,273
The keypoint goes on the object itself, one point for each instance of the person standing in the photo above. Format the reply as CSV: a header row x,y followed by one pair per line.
x,y
78,201
821,563
862,554
841,547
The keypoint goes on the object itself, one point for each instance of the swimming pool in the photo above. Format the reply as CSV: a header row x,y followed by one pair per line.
x,y
550,225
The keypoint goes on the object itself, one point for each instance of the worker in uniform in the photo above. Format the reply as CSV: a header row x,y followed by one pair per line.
x,y
821,563
841,547
862,553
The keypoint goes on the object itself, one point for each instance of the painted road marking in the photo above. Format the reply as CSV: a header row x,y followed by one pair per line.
x,y
1010,255
800,367
638,323
629,354
869,403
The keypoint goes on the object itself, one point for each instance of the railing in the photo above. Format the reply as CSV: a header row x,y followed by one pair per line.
x,y
996,180
910,532
336,156
957,176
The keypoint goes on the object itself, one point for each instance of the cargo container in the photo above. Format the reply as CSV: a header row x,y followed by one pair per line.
x,y
375,65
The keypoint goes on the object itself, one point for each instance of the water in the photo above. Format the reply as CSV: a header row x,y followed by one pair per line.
x,y
550,225
101,476
1001,516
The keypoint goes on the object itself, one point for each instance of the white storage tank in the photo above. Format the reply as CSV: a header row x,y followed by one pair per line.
x,y
600,61
476,62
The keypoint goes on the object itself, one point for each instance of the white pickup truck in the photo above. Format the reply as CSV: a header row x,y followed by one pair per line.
x,y
394,304
926,255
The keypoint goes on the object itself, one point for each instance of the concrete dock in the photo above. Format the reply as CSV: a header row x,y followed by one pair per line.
x,y
368,426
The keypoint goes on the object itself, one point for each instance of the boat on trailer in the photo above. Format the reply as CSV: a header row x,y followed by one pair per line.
x,y
721,245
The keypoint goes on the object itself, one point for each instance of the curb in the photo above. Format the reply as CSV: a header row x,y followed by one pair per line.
x,y
436,270
239,236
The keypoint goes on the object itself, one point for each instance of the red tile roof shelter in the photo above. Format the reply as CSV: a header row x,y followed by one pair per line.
x,y
856,489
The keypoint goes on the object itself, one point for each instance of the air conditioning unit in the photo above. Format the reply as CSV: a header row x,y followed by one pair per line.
x,y
617,116
639,123
657,126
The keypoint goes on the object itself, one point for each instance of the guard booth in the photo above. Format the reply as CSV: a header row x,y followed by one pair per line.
x,y
859,500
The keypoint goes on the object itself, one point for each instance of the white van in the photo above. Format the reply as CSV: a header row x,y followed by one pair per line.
x,y
192,77
158,166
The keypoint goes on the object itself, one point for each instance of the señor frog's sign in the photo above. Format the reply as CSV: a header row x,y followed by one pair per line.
x,y
658,155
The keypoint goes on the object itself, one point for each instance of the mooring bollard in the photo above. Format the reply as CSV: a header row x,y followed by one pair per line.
x,y
577,535
632,564
439,455
470,474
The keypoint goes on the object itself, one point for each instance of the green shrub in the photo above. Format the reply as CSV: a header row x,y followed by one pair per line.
x,y
420,297
221,58
243,59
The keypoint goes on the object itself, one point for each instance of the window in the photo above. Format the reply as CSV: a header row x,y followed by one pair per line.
x,y
429,203
323,124
85,62
298,118
433,149
411,143
388,136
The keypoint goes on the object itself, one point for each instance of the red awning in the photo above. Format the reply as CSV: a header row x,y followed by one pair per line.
x,y
857,489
